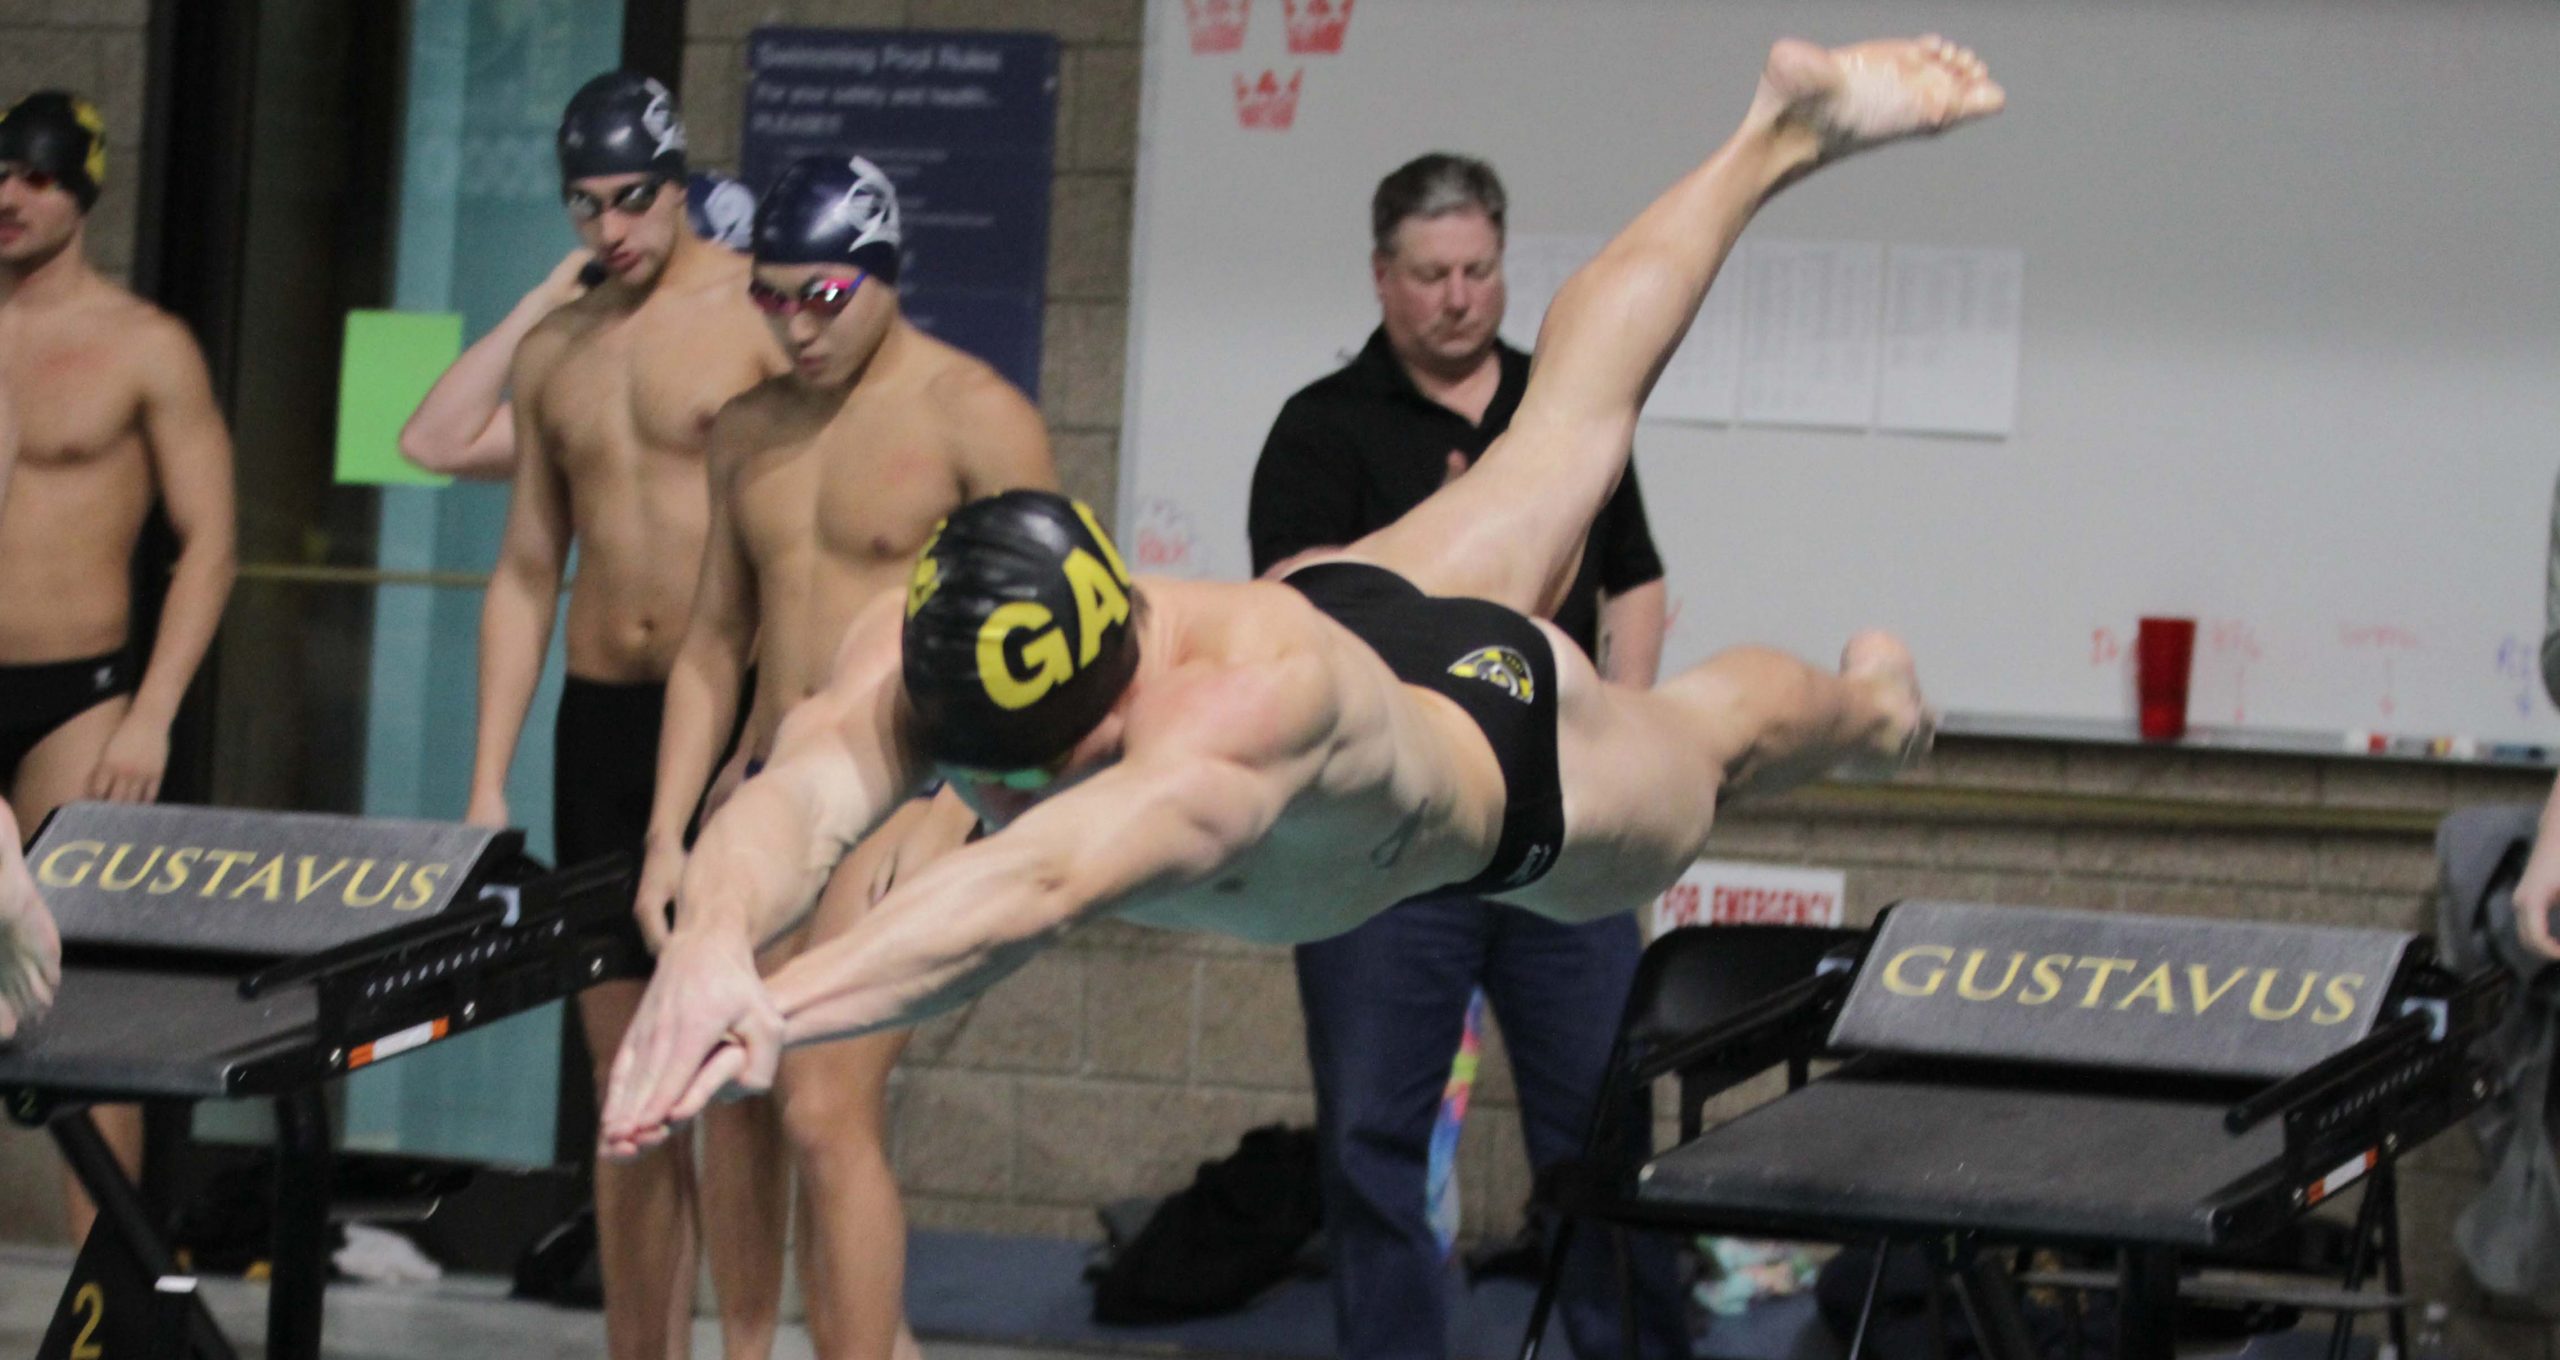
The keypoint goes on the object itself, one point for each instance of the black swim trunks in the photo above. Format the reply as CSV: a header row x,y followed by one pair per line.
x,y
1492,662
604,767
36,700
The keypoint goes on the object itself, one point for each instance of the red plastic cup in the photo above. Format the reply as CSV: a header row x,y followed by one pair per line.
x,y
2164,652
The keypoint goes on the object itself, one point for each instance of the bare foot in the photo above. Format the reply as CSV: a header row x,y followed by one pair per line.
x,y
1852,98
1911,725
30,949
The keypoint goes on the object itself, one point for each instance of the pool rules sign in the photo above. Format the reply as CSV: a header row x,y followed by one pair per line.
x,y
1729,892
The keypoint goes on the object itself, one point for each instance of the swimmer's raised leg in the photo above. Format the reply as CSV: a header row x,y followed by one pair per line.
x,y
1512,529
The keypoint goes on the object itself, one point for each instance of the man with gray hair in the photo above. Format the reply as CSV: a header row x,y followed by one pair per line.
x,y
1386,1003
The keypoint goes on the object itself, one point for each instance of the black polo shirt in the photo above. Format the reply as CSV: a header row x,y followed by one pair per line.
x,y
1355,449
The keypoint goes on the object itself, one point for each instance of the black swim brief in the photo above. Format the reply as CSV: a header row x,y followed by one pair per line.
x,y
1495,664
604,764
604,767
35,700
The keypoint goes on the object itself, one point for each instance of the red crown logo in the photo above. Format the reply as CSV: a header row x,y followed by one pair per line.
x,y
1316,26
1266,103
1216,25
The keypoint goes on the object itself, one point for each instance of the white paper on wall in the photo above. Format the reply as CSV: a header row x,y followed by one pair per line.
x,y
1950,353
1809,333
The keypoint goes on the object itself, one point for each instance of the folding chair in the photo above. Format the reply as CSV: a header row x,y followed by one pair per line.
x,y
1693,986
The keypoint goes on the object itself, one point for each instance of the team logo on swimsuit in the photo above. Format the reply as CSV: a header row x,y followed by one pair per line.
x,y
1501,667
1531,865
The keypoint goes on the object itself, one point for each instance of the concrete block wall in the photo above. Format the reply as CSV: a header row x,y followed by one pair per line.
x,y
93,48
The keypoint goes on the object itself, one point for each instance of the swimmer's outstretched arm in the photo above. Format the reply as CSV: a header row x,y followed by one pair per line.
x,y
840,766
1193,790
965,922
981,912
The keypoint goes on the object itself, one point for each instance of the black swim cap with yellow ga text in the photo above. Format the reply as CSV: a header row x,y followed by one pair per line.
x,y
1020,632
61,135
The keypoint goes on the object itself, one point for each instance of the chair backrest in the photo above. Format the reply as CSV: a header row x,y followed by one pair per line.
x,y
1698,975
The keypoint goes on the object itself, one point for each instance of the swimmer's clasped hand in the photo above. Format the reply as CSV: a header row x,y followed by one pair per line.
x,y
705,1025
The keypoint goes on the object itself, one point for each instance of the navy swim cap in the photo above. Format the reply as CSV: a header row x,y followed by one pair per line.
x,y
830,209
722,210
1020,631
62,135
621,123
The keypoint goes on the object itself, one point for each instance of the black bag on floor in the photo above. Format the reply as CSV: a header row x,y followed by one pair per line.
x,y
560,1267
1234,1232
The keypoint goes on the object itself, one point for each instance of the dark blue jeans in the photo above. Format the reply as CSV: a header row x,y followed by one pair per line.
x,y
1385,1006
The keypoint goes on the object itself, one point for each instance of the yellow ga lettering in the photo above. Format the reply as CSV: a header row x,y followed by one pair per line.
x,y
1102,540
1045,654
1101,602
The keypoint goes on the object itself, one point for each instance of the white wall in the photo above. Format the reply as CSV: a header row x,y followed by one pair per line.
x,y
2291,344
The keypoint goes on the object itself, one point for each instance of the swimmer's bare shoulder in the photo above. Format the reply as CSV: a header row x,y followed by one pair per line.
x,y
1243,623
1270,627
995,437
154,340
539,356
145,338
117,306
751,423
1251,686
552,338
157,380
716,307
